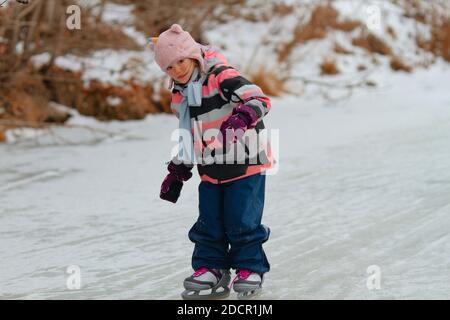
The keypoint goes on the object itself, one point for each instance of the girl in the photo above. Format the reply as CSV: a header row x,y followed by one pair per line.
x,y
209,95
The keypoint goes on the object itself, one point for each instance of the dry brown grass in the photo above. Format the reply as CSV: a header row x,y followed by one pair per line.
x,y
329,67
282,9
439,44
413,9
348,25
325,16
269,81
373,44
27,101
398,65
135,103
340,49
26,98
134,100
285,50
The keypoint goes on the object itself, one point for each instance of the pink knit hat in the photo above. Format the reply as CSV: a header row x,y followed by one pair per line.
x,y
175,44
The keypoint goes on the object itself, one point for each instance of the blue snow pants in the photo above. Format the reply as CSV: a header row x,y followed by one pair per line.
x,y
228,232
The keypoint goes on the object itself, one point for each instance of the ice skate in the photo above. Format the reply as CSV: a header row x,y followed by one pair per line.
x,y
247,284
207,284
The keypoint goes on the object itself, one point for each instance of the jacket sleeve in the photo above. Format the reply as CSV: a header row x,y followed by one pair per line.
x,y
249,97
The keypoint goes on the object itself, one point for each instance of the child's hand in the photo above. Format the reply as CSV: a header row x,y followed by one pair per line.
x,y
172,184
230,126
243,118
171,188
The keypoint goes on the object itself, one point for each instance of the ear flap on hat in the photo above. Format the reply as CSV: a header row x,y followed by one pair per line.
x,y
176,28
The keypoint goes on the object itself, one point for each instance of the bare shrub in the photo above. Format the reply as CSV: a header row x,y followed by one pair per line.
x,y
269,81
102,100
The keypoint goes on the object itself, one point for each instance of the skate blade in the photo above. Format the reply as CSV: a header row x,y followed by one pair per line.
x,y
197,295
248,295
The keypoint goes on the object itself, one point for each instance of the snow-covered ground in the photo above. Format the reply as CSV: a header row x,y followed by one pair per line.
x,y
361,183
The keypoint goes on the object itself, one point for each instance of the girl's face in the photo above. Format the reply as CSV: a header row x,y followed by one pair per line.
x,y
181,70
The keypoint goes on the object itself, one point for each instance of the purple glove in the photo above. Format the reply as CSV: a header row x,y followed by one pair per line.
x,y
233,123
172,184
243,118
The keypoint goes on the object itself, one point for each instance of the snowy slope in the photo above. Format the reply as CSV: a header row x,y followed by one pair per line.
x,y
257,42
360,183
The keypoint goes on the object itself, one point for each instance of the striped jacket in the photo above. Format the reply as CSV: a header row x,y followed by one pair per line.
x,y
224,89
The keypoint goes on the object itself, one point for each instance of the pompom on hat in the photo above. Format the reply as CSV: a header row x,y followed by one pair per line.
x,y
175,44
